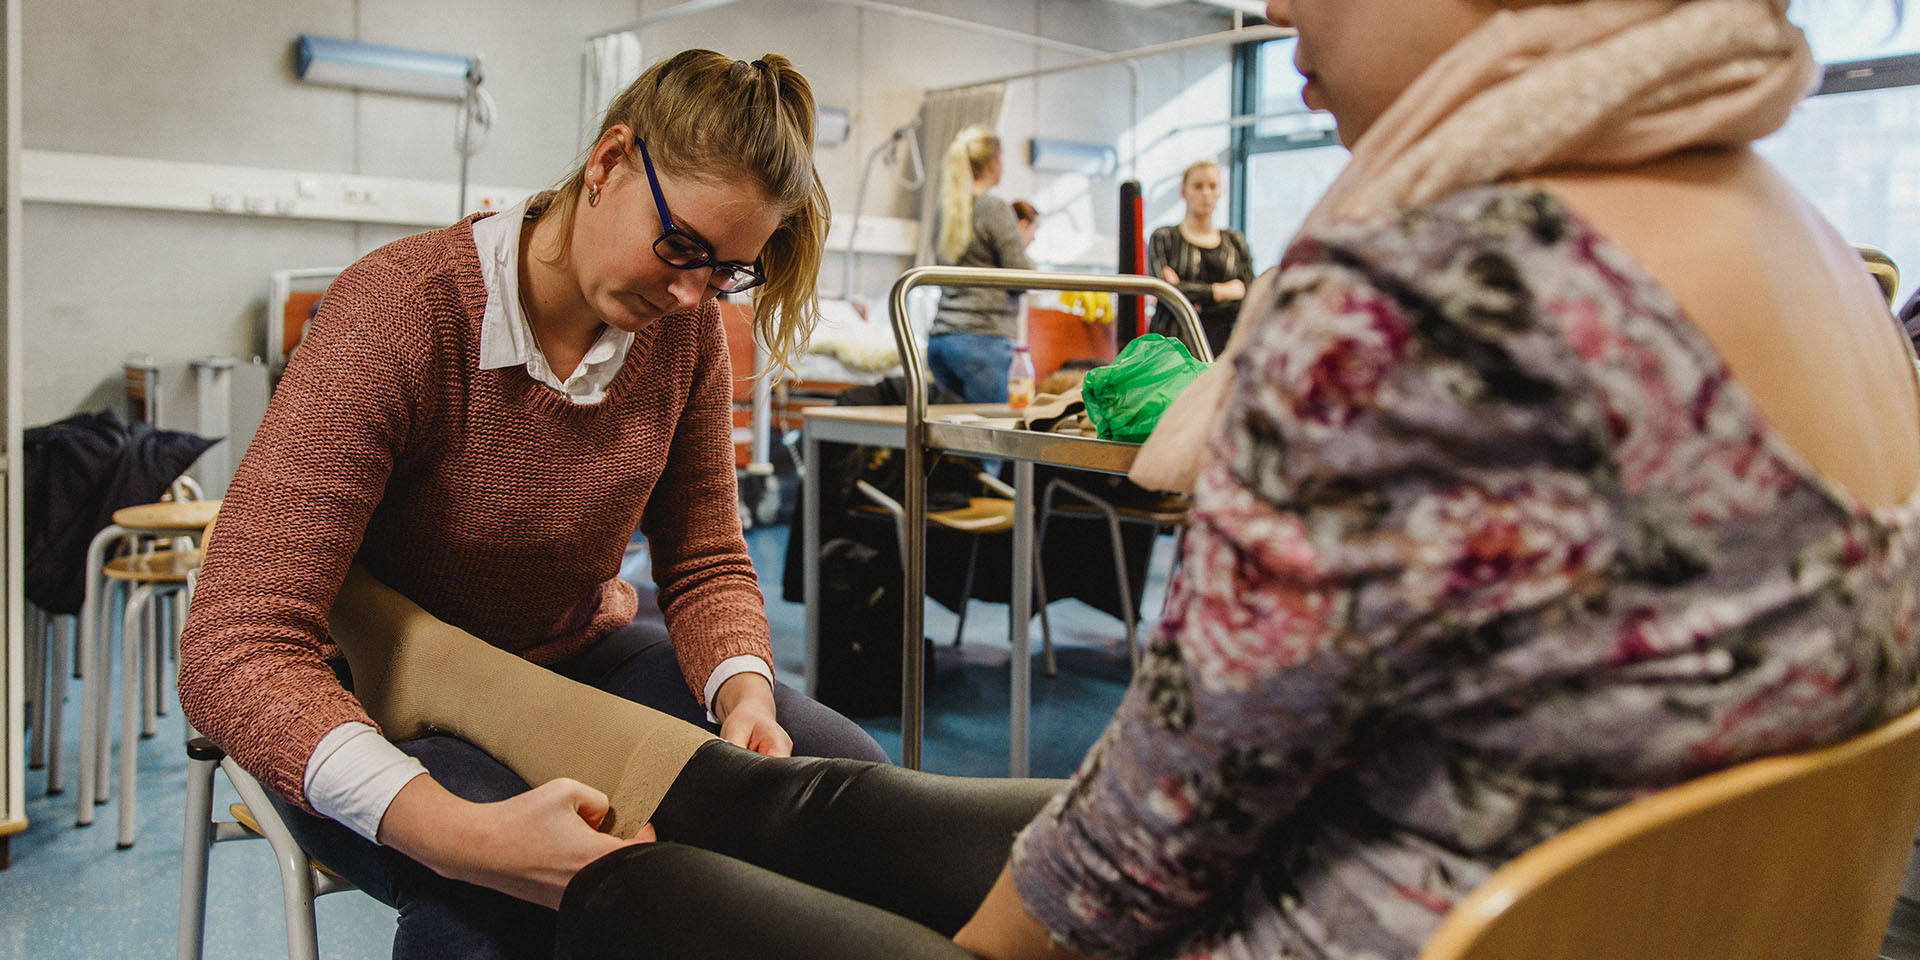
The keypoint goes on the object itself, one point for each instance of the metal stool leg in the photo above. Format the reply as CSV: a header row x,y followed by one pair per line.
x,y
198,843
170,648
130,710
103,668
56,693
966,590
149,671
1126,588
87,665
37,685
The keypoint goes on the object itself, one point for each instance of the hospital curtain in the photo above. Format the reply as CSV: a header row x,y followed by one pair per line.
x,y
608,64
943,114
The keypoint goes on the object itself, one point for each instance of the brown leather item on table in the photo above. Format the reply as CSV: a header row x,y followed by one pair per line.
x,y
1050,411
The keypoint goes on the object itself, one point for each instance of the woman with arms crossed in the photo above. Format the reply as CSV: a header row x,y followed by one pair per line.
x,y
1210,265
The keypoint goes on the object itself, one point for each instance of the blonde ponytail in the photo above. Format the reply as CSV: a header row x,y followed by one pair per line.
x,y
708,117
969,155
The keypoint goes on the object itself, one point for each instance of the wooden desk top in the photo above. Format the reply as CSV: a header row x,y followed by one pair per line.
x,y
187,515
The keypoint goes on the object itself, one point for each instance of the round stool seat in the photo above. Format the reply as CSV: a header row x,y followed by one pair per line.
x,y
188,515
160,566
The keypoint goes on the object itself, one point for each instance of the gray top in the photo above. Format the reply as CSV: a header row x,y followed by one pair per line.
x,y
996,243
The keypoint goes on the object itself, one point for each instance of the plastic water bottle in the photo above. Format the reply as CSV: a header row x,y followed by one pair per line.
x,y
1020,378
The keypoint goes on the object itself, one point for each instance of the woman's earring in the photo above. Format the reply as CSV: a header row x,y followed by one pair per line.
x,y
593,194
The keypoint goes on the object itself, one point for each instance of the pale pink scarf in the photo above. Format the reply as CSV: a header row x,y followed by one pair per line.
x,y
1592,84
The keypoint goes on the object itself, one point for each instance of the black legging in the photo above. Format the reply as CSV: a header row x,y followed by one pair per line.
x,y
800,858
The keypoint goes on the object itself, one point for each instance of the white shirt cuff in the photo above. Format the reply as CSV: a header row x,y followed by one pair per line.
x,y
727,670
354,775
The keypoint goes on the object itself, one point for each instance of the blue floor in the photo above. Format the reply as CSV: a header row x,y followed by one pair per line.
x,y
70,893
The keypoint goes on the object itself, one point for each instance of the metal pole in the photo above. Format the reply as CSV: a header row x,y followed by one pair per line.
x,y
1244,35
914,364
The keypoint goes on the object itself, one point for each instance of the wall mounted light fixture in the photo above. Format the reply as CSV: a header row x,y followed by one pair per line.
x,y
1072,156
376,66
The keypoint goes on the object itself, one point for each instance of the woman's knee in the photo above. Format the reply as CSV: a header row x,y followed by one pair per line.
x,y
465,770
820,731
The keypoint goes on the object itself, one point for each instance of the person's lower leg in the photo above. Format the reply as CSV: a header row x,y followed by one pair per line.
x,y
923,846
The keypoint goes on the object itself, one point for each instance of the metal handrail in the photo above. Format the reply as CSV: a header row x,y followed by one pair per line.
x,y
913,682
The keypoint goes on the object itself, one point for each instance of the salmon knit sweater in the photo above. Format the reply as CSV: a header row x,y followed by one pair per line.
x,y
493,502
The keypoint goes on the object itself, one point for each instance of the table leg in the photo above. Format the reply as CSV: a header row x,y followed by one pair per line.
x,y
1022,603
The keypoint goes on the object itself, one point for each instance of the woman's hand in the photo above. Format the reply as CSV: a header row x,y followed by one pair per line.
x,y
1167,274
528,846
1230,291
744,706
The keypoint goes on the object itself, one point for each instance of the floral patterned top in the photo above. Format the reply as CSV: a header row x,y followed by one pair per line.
x,y
1491,542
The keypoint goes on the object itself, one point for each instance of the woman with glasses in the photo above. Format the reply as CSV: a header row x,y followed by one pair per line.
x,y
482,416
1517,503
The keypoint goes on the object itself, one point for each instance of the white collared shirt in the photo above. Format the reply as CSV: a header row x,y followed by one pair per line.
x,y
354,773
506,338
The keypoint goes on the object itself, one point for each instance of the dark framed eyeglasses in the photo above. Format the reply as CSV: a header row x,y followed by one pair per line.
x,y
677,248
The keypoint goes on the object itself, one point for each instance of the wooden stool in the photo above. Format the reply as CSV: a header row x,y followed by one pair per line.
x,y
171,520
150,575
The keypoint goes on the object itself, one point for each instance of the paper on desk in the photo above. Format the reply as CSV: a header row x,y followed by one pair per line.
x,y
976,420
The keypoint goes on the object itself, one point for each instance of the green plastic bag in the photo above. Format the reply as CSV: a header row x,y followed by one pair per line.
x,y
1125,398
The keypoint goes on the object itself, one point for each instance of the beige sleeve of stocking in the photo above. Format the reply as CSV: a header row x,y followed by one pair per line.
x,y
416,675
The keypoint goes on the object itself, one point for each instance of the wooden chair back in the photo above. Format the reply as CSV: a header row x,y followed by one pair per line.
x,y
1791,856
1884,271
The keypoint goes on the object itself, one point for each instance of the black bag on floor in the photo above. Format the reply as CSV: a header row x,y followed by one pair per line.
x,y
860,627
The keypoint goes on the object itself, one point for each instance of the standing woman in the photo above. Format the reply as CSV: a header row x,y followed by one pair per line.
x,y
971,342
482,416
1210,265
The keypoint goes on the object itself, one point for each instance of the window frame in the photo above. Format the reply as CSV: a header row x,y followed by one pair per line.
x,y
1247,139
1844,76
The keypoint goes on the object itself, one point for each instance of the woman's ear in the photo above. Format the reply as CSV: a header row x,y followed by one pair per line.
x,y
613,148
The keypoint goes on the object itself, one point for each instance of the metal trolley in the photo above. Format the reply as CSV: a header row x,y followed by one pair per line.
x,y
1024,448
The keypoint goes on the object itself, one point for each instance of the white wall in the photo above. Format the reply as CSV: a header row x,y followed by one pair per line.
x,y
212,81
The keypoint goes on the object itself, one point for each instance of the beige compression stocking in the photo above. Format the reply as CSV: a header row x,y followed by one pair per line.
x,y
416,674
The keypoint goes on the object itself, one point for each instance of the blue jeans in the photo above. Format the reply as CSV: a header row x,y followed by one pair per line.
x,y
447,918
973,365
